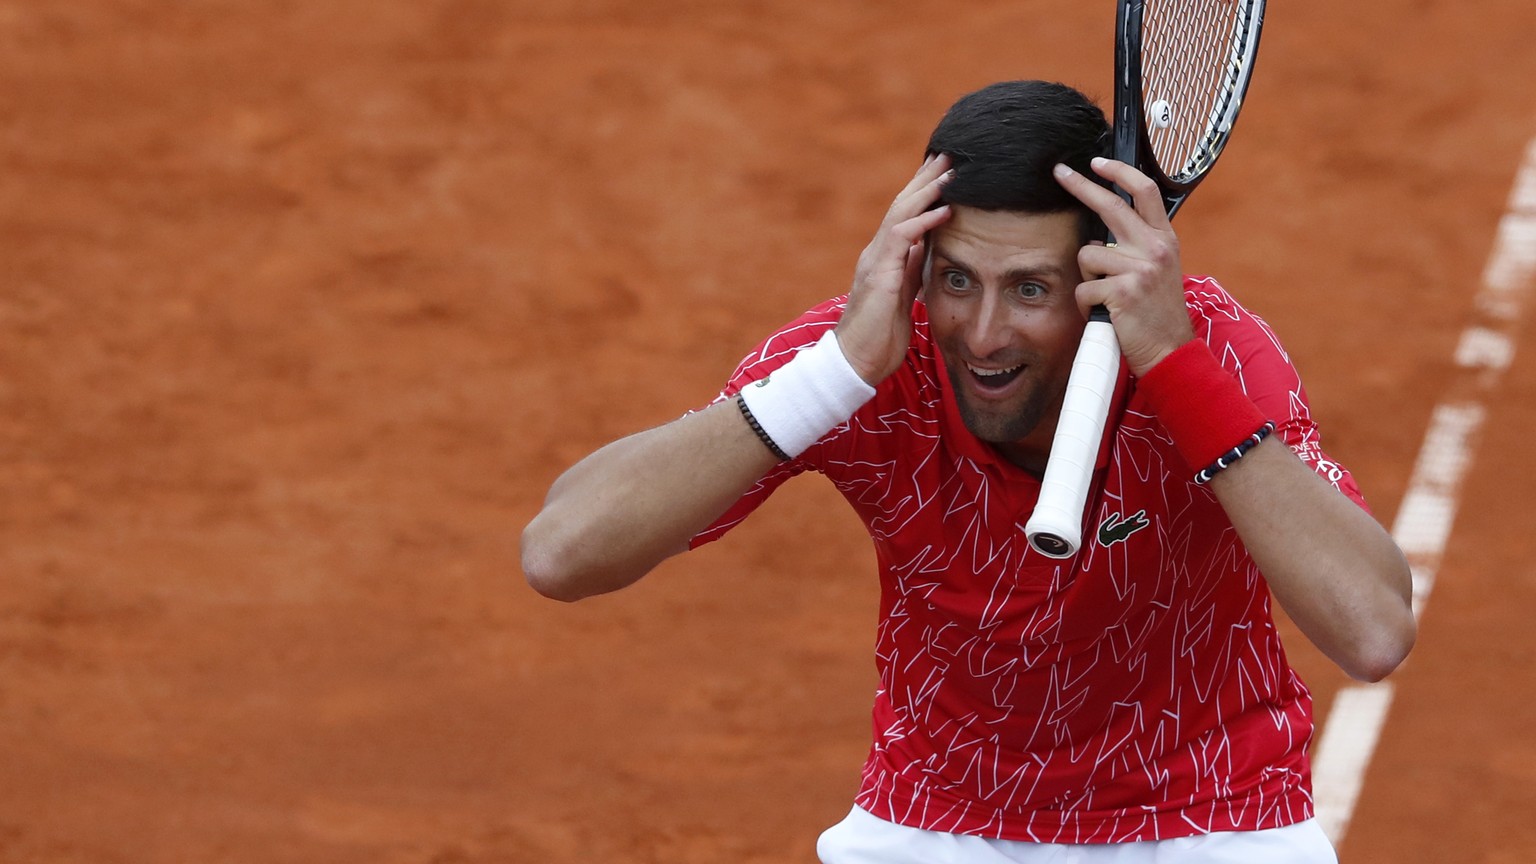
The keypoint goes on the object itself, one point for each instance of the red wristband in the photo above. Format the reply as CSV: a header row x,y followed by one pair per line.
x,y
1200,404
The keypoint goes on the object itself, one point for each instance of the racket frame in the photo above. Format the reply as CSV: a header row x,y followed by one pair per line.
x,y
1133,142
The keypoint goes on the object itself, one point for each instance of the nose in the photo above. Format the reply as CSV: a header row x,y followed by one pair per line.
x,y
986,332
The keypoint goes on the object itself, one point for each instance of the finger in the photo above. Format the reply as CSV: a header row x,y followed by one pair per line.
x,y
1096,292
902,236
1118,217
924,186
934,165
1153,268
1130,225
887,256
917,258
918,226
1097,260
1144,191
923,200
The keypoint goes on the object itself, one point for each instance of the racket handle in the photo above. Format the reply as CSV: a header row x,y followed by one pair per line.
x,y
1055,529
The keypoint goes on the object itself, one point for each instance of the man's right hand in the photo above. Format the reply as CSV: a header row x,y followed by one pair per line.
x,y
877,327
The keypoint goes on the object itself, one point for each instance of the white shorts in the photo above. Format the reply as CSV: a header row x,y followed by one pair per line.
x,y
865,839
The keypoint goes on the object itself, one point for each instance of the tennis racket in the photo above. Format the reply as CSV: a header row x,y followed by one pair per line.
x,y
1181,70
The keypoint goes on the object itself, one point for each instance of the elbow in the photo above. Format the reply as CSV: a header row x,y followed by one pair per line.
x,y
565,562
547,569
1379,658
1386,637
546,579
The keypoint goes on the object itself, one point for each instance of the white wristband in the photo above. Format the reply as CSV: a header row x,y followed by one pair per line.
x,y
807,397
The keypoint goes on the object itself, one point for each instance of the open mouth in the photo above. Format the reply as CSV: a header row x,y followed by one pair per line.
x,y
994,379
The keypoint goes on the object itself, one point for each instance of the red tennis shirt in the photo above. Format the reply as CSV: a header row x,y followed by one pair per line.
x,y
1138,691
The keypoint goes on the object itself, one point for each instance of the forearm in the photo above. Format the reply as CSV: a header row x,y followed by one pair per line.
x,y
618,513
1334,570
629,506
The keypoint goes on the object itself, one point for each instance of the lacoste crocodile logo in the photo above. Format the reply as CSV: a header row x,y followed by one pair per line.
x,y
1116,529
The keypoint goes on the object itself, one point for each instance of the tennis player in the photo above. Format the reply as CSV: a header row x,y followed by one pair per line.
x,y
1130,704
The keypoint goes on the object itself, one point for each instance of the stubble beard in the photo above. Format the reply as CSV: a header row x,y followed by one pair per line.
x,y
1003,423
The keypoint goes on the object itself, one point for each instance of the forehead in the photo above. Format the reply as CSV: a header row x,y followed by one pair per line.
x,y
987,239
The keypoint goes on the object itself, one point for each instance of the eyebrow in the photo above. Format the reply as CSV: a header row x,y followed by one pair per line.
x,y
1046,270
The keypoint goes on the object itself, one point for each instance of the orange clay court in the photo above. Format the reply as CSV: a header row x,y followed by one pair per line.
x,y
305,304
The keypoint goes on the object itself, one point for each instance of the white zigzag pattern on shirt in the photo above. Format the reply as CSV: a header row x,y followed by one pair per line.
x,y
1087,702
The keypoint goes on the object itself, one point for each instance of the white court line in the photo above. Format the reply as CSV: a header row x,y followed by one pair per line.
x,y
1424,519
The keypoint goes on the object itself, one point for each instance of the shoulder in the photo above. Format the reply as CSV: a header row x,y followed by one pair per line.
x,y
1236,334
1210,304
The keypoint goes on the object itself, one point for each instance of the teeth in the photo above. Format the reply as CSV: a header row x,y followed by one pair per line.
x,y
987,373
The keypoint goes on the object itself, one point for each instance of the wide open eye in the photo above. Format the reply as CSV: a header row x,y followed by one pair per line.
x,y
954,280
1031,290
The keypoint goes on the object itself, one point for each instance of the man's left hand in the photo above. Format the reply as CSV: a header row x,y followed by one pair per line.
x,y
1139,278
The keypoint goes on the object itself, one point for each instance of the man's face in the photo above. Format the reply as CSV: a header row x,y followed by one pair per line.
x,y
1001,301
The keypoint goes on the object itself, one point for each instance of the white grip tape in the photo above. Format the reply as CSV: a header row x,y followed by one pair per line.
x,y
807,397
1055,529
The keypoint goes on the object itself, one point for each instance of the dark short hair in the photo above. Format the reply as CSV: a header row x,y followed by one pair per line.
x,y
1005,138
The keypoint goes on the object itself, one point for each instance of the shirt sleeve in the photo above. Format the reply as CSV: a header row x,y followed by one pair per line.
x,y
1248,349
772,353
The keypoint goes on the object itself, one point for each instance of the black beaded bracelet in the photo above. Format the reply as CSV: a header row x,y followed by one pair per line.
x,y
1236,453
756,427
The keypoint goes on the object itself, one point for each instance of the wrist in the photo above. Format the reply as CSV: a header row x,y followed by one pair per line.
x,y
1203,408
1148,366
869,369
798,404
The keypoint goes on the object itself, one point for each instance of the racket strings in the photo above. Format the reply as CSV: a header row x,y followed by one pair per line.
x,y
1193,53
1179,49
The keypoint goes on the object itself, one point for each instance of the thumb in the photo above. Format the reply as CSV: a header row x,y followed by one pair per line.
x,y
916,271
